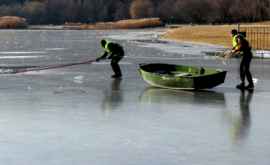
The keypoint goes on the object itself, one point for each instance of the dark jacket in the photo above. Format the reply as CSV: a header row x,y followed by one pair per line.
x,y
112,50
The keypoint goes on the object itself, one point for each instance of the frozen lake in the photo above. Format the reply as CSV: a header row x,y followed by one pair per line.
x,y
79,115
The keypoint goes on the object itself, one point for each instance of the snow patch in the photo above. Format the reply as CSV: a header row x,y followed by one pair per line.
x,y
78,79
106,63
23,52
19,57
262,54
255,80
55,49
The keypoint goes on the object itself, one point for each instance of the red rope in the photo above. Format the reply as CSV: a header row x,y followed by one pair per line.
x,y
21,70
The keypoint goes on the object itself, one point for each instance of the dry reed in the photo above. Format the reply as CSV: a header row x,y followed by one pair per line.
x,y
125,24
211,34
12,22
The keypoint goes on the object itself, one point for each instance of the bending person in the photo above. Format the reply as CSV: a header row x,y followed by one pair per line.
x,y
115,52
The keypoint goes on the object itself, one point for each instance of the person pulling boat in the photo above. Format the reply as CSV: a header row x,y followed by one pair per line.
x,y
241,46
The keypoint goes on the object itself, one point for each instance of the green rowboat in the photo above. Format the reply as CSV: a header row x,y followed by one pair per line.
x,y
181,77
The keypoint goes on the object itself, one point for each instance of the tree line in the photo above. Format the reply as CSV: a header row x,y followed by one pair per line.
x,y
170,11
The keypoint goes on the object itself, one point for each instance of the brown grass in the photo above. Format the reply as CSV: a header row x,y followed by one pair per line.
x,y
125,24
12,22
218,35
211,34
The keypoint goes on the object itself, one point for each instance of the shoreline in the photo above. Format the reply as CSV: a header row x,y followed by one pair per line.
x,y
204,35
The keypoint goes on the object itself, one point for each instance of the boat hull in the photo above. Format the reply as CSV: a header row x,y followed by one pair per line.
x,y
181,77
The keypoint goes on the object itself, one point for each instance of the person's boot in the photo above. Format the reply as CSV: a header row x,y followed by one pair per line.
x,y
250,87
241,86
116,76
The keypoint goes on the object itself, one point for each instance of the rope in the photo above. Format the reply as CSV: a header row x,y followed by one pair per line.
x,y
22,70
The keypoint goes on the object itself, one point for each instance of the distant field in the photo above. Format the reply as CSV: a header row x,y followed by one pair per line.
x,y
212,34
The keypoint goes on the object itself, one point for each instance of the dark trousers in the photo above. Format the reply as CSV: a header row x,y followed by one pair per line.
x,y
115,66
244,68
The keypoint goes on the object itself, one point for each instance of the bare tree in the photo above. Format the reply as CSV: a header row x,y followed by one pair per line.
x,y
35,11
141,9
177,11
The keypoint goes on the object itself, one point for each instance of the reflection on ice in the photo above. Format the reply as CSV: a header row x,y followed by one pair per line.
x,y
241,121
238,120
160,95
113,97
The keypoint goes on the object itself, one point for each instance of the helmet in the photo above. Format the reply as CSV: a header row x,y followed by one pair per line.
x,y
103,43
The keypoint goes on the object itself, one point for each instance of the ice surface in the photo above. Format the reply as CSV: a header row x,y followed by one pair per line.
x,y
79,115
